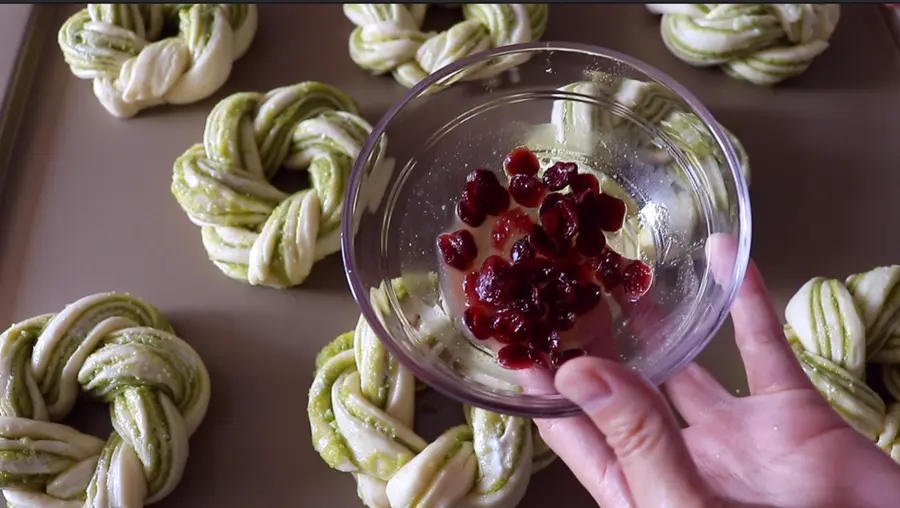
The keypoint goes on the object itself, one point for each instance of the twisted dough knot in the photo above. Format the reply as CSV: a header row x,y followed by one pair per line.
x,y
585,127
251,230
361,412
118,349
761,43
388,38
836,327
119,47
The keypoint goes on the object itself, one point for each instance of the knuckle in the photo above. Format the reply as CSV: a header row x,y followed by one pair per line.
x,y
549,429
637,434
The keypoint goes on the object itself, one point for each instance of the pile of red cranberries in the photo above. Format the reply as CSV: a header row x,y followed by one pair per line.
x,y
539,277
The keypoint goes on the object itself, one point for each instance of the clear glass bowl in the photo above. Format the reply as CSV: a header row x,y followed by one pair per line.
x,y
648,139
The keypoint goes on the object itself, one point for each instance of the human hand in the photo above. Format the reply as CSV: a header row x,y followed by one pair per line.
x,y
782,446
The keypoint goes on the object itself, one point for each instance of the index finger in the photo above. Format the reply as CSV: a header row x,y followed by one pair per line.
x,y
768,359
580,445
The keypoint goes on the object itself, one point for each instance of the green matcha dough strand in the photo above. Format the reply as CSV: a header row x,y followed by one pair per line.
x,y
119,47
760,43
389,38
577,125
650,102
361,413
115,348
251,230
838,327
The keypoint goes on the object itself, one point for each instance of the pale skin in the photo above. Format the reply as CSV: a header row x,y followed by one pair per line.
x,y
782,446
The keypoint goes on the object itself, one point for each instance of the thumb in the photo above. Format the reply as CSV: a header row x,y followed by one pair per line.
x,y
640,430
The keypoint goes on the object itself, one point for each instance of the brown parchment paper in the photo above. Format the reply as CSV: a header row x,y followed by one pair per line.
x,y
86,207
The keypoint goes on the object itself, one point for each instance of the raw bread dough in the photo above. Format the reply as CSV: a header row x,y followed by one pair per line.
x,y
388,38
760,43
361,412
115,348
251,230
838,327
118,46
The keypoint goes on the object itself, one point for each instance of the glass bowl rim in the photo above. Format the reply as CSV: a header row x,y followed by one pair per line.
x,y
534,406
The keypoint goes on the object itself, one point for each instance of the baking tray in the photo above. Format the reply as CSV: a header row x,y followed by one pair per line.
x,y
86,207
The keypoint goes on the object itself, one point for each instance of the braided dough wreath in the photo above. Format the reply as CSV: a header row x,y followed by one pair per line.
x,y
760,43
835,327
252,231
118,349
389,38
118,46
361,412
576,126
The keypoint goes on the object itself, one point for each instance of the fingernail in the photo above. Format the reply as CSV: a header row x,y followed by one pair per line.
x,y
584,386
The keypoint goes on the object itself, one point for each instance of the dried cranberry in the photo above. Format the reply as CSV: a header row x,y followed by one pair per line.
x,y
636,279
559,293
496,284
613,213
483,177
494,263
590,241
490,197
584,182
511,326
533,308
508,224
528,301
478,322
527,190
585,273
590,210
559,216
607,269
470,213
518,356
544,244
561,357
470,282
557,176
497,201
474,193
545,338
587,296
535,270
521,251
521,161
561,319
572,270
458,249
573,257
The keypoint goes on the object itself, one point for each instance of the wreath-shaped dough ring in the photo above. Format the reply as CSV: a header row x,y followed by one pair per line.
x,y
361,411
118,47
835,328
760,43
388,38
118,349
251,230
578,124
